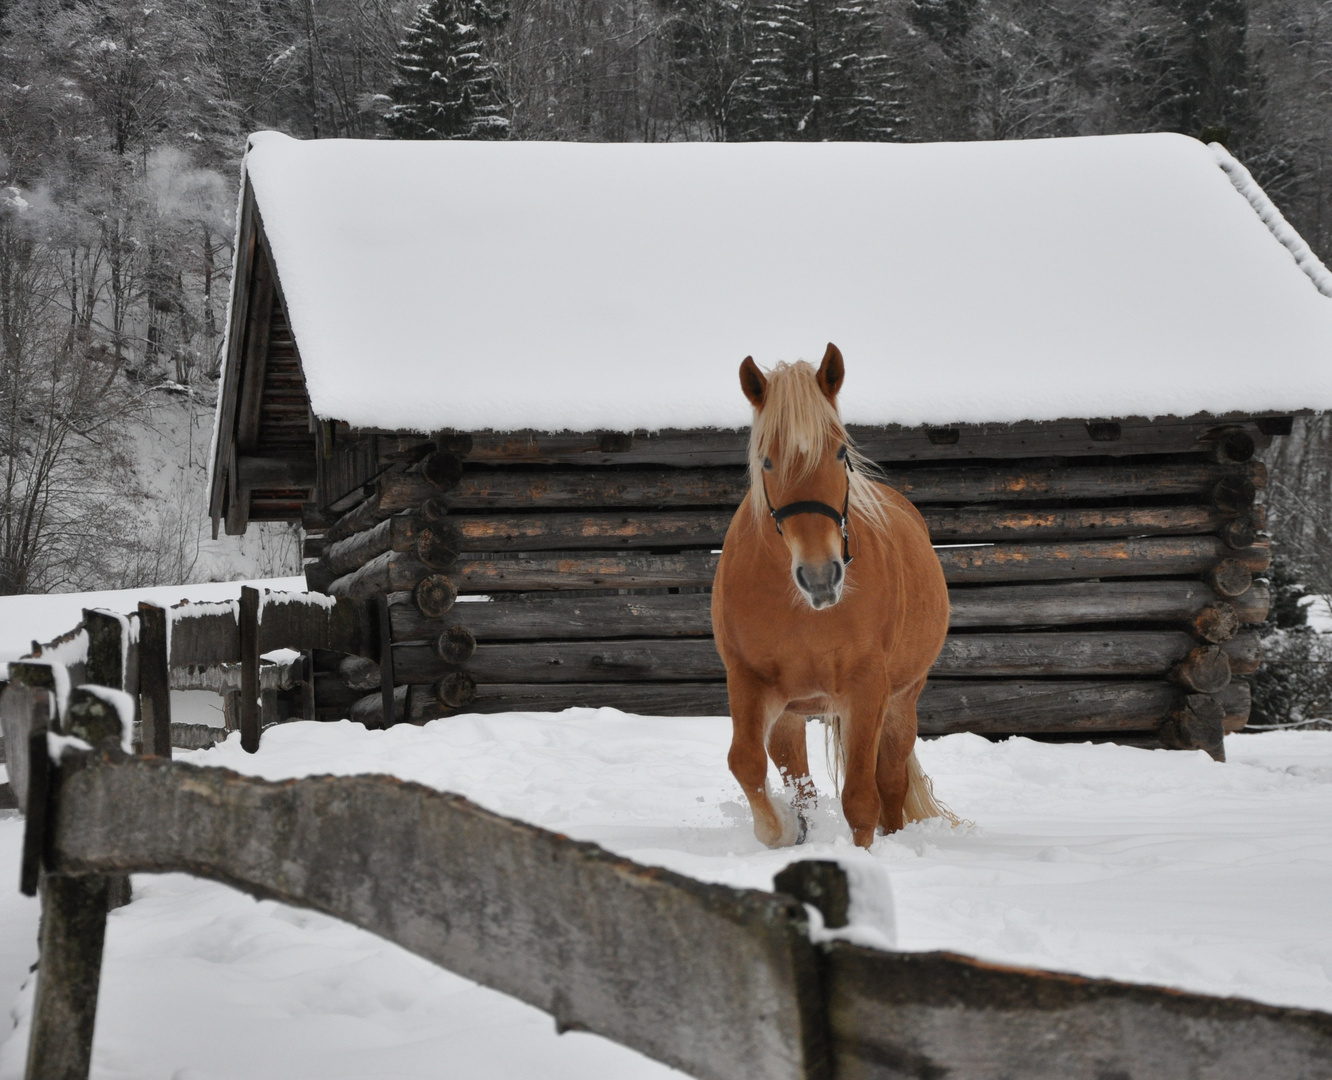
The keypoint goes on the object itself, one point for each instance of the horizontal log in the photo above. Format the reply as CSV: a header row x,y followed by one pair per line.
x,y
1038,706
392,571
707,528
1112,652
1060,438
551,616
493,488
993,707
1096,602
1205,670
397,533
719,982
1149,557
1153,556
894,1015
366,514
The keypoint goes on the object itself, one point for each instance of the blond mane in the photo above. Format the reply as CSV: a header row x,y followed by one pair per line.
x,y
794,428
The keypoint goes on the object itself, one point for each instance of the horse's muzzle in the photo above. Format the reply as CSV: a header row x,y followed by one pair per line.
x,y
821,582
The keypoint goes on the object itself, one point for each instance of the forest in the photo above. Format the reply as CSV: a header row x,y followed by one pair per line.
x,y
122,127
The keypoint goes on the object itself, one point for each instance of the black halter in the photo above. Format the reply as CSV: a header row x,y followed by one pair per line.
x,y
781,513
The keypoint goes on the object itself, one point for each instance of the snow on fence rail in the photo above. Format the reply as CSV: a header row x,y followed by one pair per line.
x,y
723,983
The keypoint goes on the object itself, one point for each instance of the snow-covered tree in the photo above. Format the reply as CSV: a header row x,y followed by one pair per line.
x,y
819,72
447,87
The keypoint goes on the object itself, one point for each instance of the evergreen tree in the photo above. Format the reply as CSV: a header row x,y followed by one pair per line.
x,y
446,87
818,73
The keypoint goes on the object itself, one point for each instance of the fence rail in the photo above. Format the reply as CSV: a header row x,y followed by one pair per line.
x,y
723,983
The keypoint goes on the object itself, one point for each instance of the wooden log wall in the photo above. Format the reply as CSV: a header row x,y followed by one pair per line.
x,y
1103,575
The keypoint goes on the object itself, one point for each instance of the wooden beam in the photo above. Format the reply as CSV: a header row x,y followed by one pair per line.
x,y
271,473
553,616
538,490
1009,655
154,689
719,982
248,619
1061,438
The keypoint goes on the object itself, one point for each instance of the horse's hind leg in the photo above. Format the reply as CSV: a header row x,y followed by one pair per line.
x,y
752,714
896,741
786,746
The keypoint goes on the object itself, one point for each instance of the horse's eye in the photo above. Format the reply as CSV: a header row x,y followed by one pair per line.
x,y
841,454
767,463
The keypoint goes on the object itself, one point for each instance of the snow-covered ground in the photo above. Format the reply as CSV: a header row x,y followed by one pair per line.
x,y
1149,866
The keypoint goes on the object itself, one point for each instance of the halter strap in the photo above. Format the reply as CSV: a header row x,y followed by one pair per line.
x,y
808,506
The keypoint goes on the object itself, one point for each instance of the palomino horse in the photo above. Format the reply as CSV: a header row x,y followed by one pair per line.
x,y
805,630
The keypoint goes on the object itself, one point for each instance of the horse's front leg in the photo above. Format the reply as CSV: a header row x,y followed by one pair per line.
x,y
787,748
862,721
753,711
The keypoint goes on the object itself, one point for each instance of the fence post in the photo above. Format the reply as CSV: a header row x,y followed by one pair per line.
x,y
249,650
73,928
154,680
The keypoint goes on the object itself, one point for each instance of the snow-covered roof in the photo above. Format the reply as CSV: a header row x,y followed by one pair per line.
x,y
512,285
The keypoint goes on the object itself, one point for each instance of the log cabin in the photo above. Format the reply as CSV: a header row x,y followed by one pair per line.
x,y
496,383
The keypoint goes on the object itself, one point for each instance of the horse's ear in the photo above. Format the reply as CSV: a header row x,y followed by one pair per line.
x,y
831,372
753,382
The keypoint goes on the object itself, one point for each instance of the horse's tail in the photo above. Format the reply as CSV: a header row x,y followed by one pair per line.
x,y
920,801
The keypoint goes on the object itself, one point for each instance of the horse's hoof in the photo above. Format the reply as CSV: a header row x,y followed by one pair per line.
x,y
802,828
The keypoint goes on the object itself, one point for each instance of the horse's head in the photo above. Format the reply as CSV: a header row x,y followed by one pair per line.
x,y
800,469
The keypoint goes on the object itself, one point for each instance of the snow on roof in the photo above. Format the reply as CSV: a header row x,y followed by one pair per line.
x,y
579,286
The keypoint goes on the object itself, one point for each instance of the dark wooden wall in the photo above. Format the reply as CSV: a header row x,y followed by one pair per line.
x,y
1101,573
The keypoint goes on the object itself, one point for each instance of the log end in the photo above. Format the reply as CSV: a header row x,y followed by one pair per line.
x,y
434,596
455,690
1206,670
443,469
1230,578
1199,725
456,645
1217,623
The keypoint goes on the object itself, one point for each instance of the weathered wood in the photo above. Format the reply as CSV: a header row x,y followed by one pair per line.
x,y
108,649
456,645
248,619
932,1015
1217,622
439,543
1024,655
1063,438
73,929
1206,670
204,634
296,621
1199,724
364,515
455,690
1231,577
369,710
719,982
387,674
820,882
484,488
1038,706
392,571
397,533
433,596
359,673
1153,556
1071,603
436,546
1245,653
551,616
1236,699
154,680
442,469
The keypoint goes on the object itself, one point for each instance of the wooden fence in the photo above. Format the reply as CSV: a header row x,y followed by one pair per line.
x,y
725,984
